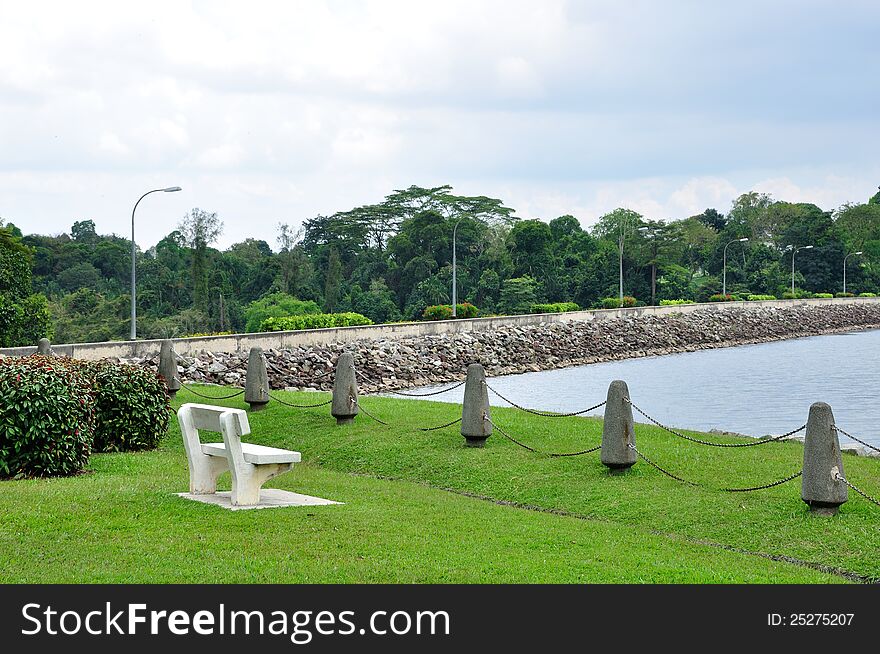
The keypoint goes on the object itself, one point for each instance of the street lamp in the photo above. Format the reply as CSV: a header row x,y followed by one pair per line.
x,y
724,267
620,249
793,251
844,269
454,263
170,189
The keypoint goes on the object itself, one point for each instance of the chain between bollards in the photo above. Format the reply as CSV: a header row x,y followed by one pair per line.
x,y
840,477
211,397
360,406
545,414
532,449
448,424
857,440
300,406
760,441
778,482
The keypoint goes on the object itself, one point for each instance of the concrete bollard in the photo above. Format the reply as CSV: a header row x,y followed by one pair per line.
x,y
820,488
168,368
44,347
345,391
618,431
256,385
475,408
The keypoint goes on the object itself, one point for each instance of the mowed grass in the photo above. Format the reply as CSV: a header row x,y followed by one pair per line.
x,y
121,522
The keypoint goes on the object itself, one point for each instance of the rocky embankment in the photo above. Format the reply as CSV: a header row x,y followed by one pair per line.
x,y
390,364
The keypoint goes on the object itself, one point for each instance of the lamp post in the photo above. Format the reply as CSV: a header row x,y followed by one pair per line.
x,y
454,264
844,269
724,266
170,189
793,251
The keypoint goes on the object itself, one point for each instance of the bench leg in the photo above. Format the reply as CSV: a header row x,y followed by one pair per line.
x,y
246,483
203,474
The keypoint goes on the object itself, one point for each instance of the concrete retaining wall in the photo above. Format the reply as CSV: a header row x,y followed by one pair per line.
x,y
278,340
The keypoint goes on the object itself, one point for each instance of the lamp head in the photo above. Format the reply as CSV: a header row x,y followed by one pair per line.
x,y
743,240
171,189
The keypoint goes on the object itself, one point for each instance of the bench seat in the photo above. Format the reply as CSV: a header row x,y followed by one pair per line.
x,y
255,454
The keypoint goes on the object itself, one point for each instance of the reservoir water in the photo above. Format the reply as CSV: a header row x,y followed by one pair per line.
x,y
752,389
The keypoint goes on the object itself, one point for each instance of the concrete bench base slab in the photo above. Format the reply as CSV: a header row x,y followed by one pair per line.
x,y
270,498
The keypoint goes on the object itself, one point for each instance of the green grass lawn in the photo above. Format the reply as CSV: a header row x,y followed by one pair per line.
x,y
121,522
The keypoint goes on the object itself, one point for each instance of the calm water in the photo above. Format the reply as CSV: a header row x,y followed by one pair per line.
x,y
752,389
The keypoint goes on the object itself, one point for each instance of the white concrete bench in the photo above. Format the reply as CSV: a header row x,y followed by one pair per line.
x,y
251,465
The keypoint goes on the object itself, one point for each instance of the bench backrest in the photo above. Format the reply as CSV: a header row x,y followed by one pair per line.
x,y
207,417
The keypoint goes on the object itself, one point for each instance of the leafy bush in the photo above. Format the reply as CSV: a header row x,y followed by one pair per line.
x,y
867,295
438,312
719,297
444,311
276,305
132,407
671,303
47,417
823,295
554,307
203,334
314,321
759,298
614,302
844,295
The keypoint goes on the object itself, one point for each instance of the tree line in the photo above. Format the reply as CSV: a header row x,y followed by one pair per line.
x,y
391,260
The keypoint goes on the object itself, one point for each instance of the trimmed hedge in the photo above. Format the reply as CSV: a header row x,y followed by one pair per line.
x,y
759,298
614,302
132,408
867,295
718,297
554,307
314,321
826,295
47,417
673,303
444,311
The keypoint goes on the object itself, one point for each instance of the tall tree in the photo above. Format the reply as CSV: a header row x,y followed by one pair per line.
x,y
199,230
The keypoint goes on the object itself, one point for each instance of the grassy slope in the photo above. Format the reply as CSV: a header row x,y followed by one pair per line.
x,y
121,523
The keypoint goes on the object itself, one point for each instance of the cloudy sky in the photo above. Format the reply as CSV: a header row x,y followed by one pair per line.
x,y
278,111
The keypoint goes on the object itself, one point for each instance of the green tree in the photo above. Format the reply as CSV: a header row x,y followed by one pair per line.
x,y
518,295
199,229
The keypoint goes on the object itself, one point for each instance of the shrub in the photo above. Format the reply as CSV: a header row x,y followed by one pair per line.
x,y
867,295
844,295
823,295
444,311
614,303
719,297
276,305
314,321
47,415
438,312
132,407
204,334
672,303
554,307
759,298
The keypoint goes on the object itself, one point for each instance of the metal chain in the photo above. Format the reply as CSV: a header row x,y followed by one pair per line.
x,y
665,472
532,449
210,397
759,441
840,477
442,390
543,414
770,485
727,490
370,415
857,440
448,424
299,406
